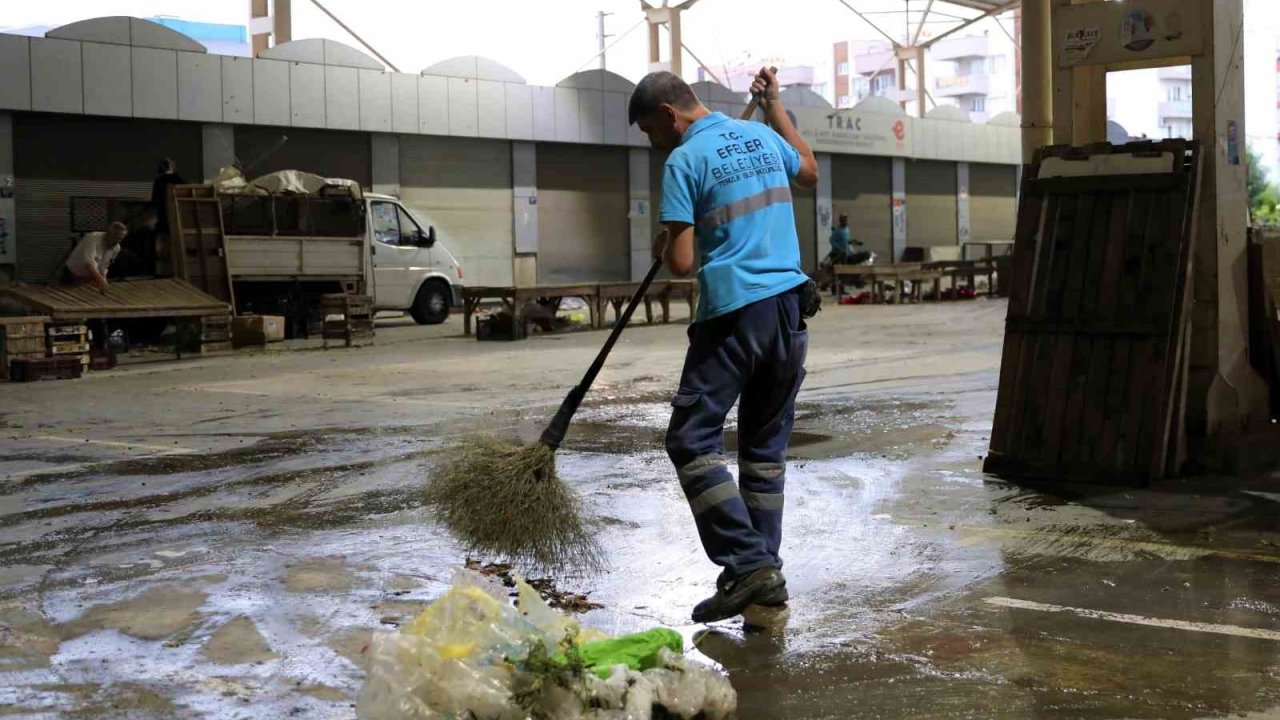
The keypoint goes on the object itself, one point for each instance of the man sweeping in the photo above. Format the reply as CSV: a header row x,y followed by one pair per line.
x,y
726,191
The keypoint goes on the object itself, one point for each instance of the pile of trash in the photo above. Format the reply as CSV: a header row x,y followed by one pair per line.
x,y
471,654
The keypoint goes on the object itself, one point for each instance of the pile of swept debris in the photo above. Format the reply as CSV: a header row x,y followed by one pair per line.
x,y
473,654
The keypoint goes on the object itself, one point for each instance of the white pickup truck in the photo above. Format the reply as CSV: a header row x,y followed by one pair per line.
x,y
285,251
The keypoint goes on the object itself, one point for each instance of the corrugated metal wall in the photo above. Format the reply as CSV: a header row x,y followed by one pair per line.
x,y
583,230
805,203
59,157
328,153
862,188
931,204
992,201
463,187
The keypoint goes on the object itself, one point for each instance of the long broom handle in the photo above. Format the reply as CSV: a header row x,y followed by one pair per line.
x,y
555,431
559,425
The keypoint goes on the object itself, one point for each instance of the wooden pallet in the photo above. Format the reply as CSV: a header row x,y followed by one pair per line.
x,y
1092,377
198,243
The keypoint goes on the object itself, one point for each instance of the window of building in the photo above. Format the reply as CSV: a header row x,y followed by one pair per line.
x,y
844,101
978,104
971,66
843,68
881,83
1175,93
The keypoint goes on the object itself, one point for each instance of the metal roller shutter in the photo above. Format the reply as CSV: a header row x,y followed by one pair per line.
x,y
463,187
59,157
327,153
805,203
43,210
862,188
583,231
992,201
657,160
931,204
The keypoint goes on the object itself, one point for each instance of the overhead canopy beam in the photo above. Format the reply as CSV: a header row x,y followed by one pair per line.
x,y
353,34
923,19
867,20
1011,4
698,60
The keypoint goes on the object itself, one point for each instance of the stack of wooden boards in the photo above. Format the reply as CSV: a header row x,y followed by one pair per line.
x,y
34,348
348,318
1093,376
1264,309
21,338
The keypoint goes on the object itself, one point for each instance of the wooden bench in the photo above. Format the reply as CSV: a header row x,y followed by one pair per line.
x,y
618,294
915,273
967,270
515,298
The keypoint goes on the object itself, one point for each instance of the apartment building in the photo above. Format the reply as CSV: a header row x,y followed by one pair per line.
x,y
976,73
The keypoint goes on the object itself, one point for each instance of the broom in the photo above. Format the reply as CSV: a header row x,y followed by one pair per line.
x,y
504,498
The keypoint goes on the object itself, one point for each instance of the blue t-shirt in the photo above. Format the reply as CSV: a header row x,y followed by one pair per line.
x,y
731,180
840,239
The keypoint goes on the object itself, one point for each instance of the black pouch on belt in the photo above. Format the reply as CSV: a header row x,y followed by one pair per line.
x,y
810,299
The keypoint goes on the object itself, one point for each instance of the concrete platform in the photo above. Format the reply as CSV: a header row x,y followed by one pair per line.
x,y
218,538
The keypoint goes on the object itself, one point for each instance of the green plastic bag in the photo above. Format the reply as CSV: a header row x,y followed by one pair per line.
x,y
638,651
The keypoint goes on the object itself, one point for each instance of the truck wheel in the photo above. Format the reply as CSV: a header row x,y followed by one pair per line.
x,y
431,306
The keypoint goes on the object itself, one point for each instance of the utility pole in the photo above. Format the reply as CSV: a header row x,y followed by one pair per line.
x,y
601,35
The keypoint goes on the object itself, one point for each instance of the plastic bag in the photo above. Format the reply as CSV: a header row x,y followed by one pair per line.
x,y
638,651
472,653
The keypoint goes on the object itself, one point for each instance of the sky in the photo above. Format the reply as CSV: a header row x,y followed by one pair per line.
x,y
543,41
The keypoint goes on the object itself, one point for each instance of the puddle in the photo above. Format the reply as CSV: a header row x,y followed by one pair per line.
x,y
236,643
153,615
322,575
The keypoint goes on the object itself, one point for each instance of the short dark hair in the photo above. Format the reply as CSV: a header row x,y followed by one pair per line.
x,y
165,165
657,89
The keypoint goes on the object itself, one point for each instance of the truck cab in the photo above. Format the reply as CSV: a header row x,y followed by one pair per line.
x,y
410,268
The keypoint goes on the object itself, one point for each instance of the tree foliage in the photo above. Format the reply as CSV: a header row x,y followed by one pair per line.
x,y
1264,197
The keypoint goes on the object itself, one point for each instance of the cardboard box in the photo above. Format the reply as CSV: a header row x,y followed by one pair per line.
x,y
252,330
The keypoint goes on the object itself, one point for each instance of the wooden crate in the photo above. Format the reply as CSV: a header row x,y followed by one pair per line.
x,y
349,305
348,318
65,339
1094,362
21,338
205,335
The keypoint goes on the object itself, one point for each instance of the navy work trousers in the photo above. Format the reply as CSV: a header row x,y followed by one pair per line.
x,y
755,356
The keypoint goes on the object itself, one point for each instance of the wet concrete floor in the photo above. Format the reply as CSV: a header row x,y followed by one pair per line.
x,y
219,538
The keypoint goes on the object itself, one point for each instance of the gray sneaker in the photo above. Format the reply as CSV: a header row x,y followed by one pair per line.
x,y
758,587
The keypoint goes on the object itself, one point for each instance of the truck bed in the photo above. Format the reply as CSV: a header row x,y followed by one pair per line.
x,y
263,258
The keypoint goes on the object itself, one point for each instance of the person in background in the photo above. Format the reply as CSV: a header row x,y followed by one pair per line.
x,y
93,255
842,244
840,240
166,176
